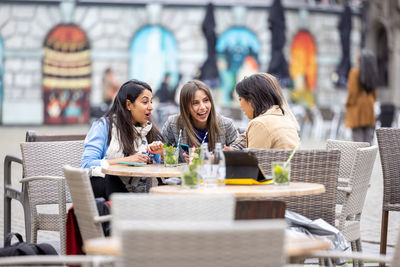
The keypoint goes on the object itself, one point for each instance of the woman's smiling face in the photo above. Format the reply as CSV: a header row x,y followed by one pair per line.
x,y
200,109
141,108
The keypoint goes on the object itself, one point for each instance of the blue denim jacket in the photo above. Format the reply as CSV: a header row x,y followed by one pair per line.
x,y
96,145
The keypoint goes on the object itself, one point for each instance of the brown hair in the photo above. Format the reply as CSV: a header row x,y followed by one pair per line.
x,y
122,118
262,90
185,120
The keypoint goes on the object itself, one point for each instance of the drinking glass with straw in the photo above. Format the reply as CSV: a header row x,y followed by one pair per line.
x,y
281,170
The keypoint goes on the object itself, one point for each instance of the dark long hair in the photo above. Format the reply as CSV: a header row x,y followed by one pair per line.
x,y
262,90
368,71
121,117
185,120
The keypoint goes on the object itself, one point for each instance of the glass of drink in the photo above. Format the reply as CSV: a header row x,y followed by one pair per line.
x,y
281,172
171,155
190,176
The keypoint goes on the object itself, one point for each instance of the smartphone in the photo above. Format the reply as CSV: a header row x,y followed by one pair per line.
x,y
132,163
185,148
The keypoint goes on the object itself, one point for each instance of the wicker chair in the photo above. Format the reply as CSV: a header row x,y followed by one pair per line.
x,y
389,150
206,243
355,192
45,183
312,166
85,209
348,151
393,261
11,192
148,207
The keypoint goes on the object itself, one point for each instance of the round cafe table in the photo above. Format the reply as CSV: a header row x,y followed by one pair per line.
x,y
248,191
150,170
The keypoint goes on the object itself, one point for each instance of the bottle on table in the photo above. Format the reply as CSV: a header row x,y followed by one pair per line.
x,y
205,169
218,166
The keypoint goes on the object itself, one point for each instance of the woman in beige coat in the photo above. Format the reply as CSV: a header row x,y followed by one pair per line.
x,y
361,85
271,125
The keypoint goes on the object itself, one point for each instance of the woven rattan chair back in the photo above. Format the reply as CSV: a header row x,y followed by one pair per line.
x,y
311,166
189,244
85,208
43,161
148,207
348,150
389,151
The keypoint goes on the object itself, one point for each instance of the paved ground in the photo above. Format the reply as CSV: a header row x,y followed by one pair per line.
x,y
10,137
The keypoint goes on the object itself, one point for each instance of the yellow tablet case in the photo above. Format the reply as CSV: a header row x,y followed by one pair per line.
x,y
246,181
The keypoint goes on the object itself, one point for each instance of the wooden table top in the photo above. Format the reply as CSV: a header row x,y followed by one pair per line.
x,y
294,246
150,170
248,191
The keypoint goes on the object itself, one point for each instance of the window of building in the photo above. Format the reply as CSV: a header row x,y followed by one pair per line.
x,y
154,53
237,56
66,76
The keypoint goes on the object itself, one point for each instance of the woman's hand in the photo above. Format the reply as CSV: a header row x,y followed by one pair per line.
x,y
228,148
186,156
138,158
155,147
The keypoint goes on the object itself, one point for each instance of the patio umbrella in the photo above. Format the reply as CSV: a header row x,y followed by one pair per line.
x,y
209,71
343,68
278,65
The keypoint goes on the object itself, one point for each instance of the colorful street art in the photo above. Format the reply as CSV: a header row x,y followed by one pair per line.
x,y
303,68
66,76
153,53
1,79
237,57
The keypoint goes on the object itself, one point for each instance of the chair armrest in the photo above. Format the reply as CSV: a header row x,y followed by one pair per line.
x,y
343,180
351,255
57,259
345,189
38,178
101,219
7,167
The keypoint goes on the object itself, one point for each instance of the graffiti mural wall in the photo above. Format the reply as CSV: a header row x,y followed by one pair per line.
x,y
66,76
303,68
153,53
238,49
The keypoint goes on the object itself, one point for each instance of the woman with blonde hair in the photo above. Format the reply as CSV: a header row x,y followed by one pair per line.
x,y
272,123
198,120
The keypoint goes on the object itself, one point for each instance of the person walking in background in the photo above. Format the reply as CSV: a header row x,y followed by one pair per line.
x,y
109,86
198,120
124,133
272,123
361,86
163,92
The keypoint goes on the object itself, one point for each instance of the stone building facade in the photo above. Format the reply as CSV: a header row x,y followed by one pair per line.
x,y
384,39
110,28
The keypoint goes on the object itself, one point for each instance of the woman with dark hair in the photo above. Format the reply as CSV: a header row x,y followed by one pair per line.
x,y
198,120
361,85
124,133
272,124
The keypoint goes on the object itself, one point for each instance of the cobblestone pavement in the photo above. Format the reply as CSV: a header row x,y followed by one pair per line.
x,y
10,137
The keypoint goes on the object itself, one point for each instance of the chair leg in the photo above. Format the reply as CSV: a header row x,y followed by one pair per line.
x,y
354,248
7,216
384,229
359,249
27,212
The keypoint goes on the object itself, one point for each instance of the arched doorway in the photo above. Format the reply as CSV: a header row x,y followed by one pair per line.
x,y
237,57
153,53
303,68
66,76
